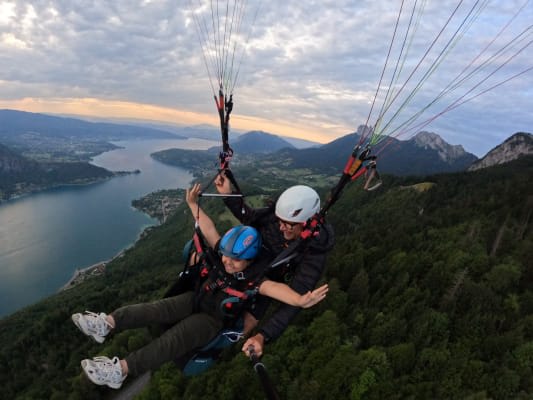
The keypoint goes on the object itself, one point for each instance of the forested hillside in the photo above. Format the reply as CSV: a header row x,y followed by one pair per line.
x,y
19,175
431,298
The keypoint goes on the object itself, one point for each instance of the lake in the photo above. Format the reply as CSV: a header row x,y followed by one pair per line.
x,y
45,237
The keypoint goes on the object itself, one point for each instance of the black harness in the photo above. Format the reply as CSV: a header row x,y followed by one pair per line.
x,y
234,292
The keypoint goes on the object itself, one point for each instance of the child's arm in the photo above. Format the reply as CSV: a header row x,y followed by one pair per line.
x,y
207,226
285,294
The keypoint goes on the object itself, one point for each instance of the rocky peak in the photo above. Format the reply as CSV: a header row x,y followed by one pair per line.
x,y
447,152
363,130
518,145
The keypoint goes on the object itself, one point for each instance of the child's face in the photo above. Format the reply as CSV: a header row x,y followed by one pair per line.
x,y
233,265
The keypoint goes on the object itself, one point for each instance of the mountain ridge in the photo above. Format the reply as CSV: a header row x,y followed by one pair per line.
x,y
518,145
446,151
259,142
424,154
14,122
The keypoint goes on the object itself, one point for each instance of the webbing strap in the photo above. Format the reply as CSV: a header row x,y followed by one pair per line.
x,y
231,177
198,243
235,293
224,107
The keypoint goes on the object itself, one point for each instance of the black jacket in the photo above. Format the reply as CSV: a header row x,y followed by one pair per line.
x,y
302,273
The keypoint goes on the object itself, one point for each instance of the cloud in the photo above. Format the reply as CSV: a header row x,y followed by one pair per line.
x,y
306,66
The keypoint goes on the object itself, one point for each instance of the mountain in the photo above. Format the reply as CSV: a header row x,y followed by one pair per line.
x,y
518,145
259,142
251,147
15,123
425,153
210,132
201,131
447,152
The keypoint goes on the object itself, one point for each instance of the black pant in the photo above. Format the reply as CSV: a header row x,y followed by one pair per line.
x,y
189,330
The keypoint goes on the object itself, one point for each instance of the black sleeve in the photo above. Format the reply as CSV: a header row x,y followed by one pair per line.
x,y
239,209
307,275
260,306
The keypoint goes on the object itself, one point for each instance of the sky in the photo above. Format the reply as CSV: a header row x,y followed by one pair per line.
x,y
306,69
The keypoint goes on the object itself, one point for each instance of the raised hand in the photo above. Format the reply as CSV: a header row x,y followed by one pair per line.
x,y
192,195
311,298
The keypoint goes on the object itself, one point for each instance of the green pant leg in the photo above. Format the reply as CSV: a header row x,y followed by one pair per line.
x,y
192,332
165,311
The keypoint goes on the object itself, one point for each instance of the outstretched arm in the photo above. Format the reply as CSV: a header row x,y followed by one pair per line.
x,y
285,294
207,226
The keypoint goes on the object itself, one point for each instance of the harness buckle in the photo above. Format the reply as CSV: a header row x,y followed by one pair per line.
x,y
239,276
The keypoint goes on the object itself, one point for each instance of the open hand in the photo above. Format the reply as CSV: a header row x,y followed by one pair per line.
x,y
192,194
311,298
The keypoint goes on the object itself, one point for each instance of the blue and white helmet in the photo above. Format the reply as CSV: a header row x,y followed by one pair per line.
x,y
241,242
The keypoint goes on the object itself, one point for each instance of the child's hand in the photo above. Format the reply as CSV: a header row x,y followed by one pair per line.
x,y
192,195
311,298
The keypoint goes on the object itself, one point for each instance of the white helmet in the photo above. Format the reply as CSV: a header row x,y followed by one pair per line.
x,y
297,204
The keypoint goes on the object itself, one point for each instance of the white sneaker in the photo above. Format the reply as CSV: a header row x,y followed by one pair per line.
x,y
92,324
104,371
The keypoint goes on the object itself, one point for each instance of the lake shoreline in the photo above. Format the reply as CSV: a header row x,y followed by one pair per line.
x,y
100,268
46,236
39,189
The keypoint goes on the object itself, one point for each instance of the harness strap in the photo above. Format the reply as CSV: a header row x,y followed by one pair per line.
x,y
224,107
231,177
197,243
235,293
287,254
236,297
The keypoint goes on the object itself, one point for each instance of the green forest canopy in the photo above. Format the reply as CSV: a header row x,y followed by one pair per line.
x,y
431,296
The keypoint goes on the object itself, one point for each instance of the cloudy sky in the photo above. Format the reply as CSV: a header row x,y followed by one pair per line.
x,y
309,69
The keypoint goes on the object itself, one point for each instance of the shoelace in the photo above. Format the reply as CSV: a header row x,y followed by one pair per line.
x,y
97,323
109,369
